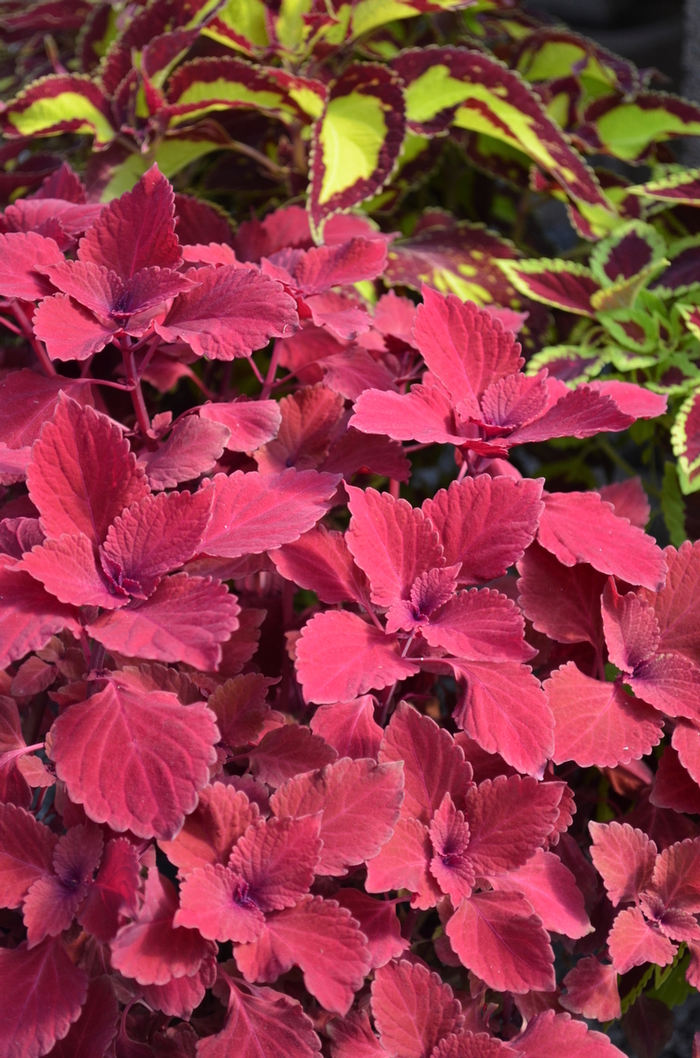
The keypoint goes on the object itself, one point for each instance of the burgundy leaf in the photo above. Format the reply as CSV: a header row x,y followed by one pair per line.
x,y
29,616
43,993
499,938
580,527
241,708
509,819
676,878
485,523
186,619
591,990
349,727
598,723
149,949
113,892
134,760
193,448
26,853
82,475
561,601
624,857
379,923
51,903
433,765
286,751
92,1033
413,1009
309,419
359,801
28,400
264,1023
322,939
551,889
321,561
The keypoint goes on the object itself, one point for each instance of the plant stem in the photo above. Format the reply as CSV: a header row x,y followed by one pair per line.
x,y
38,347
271,372
135,387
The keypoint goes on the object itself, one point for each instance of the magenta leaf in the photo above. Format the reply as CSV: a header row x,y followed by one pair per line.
x,y
182,995
231,313
485,523
253,512
349,727
413,1009
479,626
492,809
379,923
322,562
43,993
215,902
499,938
29,400
277,859
150,949
67,567
29,616
113,891
551,889
264,1023
82,475
286,751
322,939
404,863
433,765
221,818
52,901
630,626
193,448
633,941
359,801
24,257
550,1035
26,853
591,990
135,760
250,423
677,605
186,619
450,866
580,527
339,656
598,723
92,1033
561,601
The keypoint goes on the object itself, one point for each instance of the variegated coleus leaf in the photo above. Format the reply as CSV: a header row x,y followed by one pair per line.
x,y
677,189
356,140
552,53
454,86
211,85
61,103
631,129
685,439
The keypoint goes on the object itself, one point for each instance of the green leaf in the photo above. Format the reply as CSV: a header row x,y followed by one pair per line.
x,y
685,441
241,25
672,506
670,984
60,103
630,130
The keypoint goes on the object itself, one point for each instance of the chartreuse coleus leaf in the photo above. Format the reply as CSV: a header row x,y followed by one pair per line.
x,y
562,284
60,103
206,85
173,153
356,141
454,86
685,441
551,53
241,24
631,130
678,188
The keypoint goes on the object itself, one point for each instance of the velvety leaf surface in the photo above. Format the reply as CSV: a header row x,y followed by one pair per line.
x,y
624,857
92,1033
221,818
413,1009
135,760
491,809
551,889
591,990
26,853
549,1035
349,727
260,1025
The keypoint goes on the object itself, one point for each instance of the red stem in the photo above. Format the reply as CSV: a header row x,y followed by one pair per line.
x,y
38,347
135,386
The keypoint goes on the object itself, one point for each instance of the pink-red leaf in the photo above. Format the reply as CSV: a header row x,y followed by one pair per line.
x,y
215,902
29,616
561,601
278,859
632,942
479,625
321,561
499,938
250,423
676,877
379,923
261,1025
551,889
92,1033
67,567
193,448
349,727
359,801
404,863
591,990
413,1009
113,892
26,853
221,818
550,1035
509,819
286,751
134,760
624,857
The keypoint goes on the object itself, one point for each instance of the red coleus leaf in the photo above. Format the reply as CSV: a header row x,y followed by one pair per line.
x,y
24,256
450,866
250,423
676,878
309,418
551,889
561,601
404,863
598,723
322,939
185,619
153,949
470,1045
550,1035
254,512
70,331
29,616
391,541
113,891
485,523
629,500
264,1023
82,475
479,626
359,801
633,941
349,727
686,742
135,231
499,938
673,786
353,1037
27,400
67,568
496,843
13,464
631,629
506,711
429,592
580,527
182,995
193,448
153,537
379,923
92,1033
591,990
677,605
412,1009
464,347
231,313
339,656
240,708
216,902
134,759
26,853
43,993
52,901
433,765
221,818
286,751
624,857
322,562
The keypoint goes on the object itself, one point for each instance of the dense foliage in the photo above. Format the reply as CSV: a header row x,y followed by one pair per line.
x,y
346,704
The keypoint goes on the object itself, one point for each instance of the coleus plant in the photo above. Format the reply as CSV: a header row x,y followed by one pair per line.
x,y
289,762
